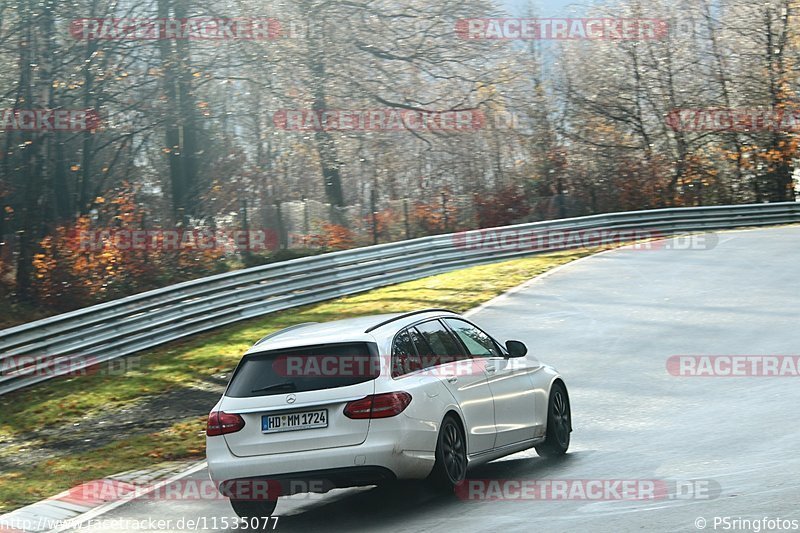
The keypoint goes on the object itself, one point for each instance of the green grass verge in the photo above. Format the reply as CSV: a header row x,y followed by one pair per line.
x,y
185,440
63,402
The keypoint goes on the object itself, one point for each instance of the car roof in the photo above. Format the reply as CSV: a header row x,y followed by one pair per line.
x,y
360,329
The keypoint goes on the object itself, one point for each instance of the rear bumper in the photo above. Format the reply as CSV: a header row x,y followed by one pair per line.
x,y
319,481
391,451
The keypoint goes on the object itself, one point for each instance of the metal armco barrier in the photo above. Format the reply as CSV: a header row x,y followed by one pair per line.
x,y
122,327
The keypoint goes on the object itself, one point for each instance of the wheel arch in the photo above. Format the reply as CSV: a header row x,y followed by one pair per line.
x,y
460,419
558,380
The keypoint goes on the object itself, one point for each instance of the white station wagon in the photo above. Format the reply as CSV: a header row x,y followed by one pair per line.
x,y
369,400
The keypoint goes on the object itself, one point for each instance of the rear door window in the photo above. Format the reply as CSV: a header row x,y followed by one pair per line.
x,y
437,344
405,359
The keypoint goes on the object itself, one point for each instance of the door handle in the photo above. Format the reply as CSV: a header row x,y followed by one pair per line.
x,y
452,380
491,369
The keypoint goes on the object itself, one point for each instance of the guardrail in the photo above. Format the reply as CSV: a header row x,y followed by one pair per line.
x,y
122,327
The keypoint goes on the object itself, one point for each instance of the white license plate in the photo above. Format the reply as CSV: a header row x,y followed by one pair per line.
x,y
294,421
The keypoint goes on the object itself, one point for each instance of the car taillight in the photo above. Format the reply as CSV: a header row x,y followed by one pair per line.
x,y
220,423
378,406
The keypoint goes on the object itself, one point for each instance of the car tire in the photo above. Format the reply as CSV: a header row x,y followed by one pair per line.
x,y
253,509
559,423
450,467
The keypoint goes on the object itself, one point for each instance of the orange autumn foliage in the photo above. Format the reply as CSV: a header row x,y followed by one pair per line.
x,y
334,237
70,273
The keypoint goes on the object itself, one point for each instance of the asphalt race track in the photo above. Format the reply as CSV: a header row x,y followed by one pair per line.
x,y
609,324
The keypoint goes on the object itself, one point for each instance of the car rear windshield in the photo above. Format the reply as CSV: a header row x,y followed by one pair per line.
x,y
304,369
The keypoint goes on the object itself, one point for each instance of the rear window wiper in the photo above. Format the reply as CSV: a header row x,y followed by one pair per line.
x,y
284,385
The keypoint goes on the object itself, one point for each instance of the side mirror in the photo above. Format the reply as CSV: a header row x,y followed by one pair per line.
x,y
516,349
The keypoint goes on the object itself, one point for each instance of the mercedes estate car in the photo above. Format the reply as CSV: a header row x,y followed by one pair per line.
x,y
364,401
